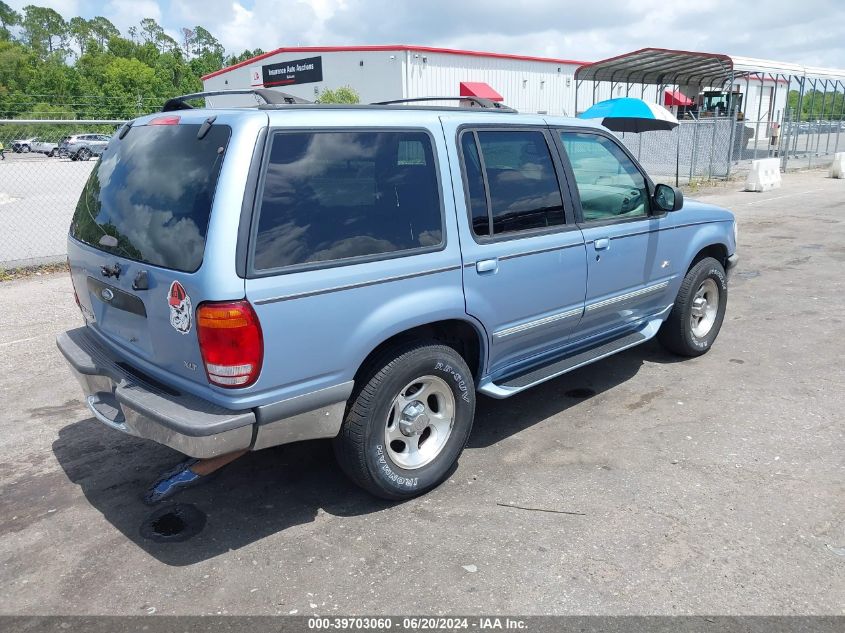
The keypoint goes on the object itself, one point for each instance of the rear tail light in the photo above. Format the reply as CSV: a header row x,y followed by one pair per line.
x,y
231,343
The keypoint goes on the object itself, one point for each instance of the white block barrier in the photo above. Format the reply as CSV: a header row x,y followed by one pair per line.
x,y
837,167
764,175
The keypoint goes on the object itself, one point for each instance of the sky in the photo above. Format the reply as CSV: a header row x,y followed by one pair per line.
x,y
811,32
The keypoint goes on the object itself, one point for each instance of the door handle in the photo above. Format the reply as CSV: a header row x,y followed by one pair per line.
x,y
487,266
602,243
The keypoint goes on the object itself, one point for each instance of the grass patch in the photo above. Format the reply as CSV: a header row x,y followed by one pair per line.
x,y
31,271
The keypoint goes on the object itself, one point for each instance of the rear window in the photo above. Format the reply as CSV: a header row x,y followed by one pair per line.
x,y
151,193
332,196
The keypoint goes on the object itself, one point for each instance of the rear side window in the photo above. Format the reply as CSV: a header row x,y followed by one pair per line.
x,y
151,194
332,196
516,174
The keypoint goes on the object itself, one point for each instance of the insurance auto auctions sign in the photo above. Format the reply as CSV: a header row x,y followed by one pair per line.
x,y
297,71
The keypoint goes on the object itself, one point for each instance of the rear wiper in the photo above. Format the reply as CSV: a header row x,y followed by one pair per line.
x,y
206,126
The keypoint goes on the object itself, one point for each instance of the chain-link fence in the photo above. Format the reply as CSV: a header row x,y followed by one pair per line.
x,y
811,143
46,163
695,150
44,166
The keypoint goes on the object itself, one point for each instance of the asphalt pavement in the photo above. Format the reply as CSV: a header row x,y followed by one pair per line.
x,y
646,484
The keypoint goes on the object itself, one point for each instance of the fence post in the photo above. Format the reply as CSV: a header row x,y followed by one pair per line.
x,y
712,149
797,122
731,142
694,148
678,156
759,114
841,118
785,138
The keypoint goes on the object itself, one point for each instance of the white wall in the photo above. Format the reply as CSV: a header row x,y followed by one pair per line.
x,y
379,78
528,86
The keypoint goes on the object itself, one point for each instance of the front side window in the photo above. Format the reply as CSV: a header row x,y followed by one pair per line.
x,y
609,184
521,184
332,196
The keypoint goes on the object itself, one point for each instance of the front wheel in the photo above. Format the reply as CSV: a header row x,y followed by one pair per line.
x,y
699,310
408,421
84,154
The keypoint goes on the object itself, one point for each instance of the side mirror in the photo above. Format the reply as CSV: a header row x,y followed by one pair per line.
x,y
668,198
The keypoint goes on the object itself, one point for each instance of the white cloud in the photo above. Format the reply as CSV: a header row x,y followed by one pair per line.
x,y
811,31
126,13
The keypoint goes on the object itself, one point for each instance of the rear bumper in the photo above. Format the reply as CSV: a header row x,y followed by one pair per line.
x,y
134,404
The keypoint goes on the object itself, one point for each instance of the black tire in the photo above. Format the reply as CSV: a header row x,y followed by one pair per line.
x,y
51,153
677,333
361,447
25,149
84,154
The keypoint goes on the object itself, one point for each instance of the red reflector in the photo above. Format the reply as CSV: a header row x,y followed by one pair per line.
x,y
231,343
164,120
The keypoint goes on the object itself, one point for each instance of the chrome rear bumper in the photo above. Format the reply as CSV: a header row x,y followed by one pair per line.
x,y
130,402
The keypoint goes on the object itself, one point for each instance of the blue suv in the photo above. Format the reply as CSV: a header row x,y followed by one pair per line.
x,y
259,276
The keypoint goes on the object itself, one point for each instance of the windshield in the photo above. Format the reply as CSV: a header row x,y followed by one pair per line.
x,y
149,198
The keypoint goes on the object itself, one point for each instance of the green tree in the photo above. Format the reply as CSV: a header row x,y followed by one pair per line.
x,y
102,30
151,30
44,30
344,94
231,60
8,17
79,30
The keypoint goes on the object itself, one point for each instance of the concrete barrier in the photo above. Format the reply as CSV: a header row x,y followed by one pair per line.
x,y
764,175
837,167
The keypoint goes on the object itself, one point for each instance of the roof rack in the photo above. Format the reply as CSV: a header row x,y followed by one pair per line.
x,y
486,104
271,97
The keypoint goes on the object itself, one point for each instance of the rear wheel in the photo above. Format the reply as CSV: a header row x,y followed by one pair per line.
x,y
51,153
699,310
84,154
408,421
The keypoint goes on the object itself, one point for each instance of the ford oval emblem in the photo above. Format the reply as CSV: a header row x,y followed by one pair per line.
x,y
107,294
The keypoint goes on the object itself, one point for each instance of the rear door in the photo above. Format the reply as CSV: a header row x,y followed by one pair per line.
x,y
352,241
524,262
628,267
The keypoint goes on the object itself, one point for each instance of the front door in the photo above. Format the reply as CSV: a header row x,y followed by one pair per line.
x,y
628,277
524,261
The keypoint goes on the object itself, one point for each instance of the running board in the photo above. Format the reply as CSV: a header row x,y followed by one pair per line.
x,y
515,383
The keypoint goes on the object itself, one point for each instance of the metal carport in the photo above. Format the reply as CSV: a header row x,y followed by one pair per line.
x,y
669,69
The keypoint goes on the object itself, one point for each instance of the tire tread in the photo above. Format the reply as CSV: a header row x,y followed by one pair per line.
x,y
349,445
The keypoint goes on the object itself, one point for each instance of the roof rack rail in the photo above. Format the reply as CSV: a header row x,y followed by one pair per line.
x,y
481,103
274,97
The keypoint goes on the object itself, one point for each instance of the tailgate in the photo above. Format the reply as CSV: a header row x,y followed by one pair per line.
x,y
138,237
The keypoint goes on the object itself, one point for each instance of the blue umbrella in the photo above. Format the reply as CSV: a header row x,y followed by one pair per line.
x,y
631,115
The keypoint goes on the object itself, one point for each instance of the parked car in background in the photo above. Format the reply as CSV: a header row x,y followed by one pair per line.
x,y
250,278
84,146
22,145
62,150
43,146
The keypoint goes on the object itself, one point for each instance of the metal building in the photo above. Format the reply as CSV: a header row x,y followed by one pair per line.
x,y
380,73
